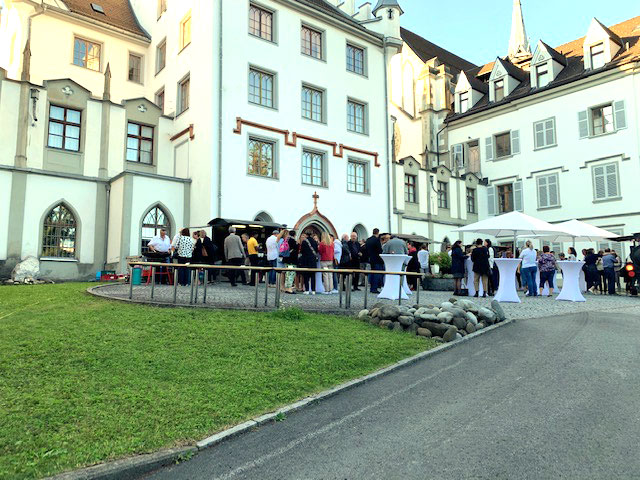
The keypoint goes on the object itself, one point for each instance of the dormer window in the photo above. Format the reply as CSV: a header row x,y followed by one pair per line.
x,y
597,55
498,90
542,75
464,102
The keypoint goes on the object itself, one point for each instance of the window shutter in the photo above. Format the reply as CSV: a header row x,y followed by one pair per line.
x,y
583,123
538,134
612,180
543,192
491,200
619,115
488,144
552,187
599,183
550,127
515,142
518,201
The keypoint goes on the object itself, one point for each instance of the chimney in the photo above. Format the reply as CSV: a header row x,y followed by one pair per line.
x,y
364,12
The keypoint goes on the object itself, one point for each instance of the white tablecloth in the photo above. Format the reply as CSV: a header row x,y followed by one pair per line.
x,y
571,281
507,288
393,263
469,279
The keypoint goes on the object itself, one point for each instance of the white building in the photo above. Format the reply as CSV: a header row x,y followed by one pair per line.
x,y
432,196
558,129
117,119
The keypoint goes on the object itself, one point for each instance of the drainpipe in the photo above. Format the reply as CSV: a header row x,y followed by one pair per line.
x,y
393,173
438,142
386,106
220,24
107,187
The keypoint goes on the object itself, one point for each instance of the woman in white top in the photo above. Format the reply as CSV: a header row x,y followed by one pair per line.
x,y
572,255
183,247
529,269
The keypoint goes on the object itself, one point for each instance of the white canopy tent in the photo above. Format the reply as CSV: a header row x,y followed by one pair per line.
x,y
577,231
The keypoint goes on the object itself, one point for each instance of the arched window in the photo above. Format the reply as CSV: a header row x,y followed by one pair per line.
x,y
154,221
59,233
361,231
263,217
445,243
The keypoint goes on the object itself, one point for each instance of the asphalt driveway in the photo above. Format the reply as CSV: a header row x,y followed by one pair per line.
x,y
557,397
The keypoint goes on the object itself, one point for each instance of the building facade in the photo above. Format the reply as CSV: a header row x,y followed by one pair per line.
x,y
117,119
557,129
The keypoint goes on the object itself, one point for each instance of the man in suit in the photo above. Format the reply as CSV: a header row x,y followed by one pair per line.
x,y
374,249
233,253
355,257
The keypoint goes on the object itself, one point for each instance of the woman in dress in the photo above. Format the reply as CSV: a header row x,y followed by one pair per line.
x,y
308,259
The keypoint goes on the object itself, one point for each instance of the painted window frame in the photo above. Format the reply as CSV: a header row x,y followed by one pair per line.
x,y
355,46
607,197
161,47
162,7
185,42
592,125
140,79
443,195
472,203
323,105
87,42
366,170
536,145
557,182
274,86
58,228
365,116
267,11
410,188
275,165
495,145
160,94
140,138
324,175
599,54
323,47
64,124
496,89
464,97
545,74
181,104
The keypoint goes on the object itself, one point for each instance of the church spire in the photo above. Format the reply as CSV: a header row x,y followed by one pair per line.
x,y
518,44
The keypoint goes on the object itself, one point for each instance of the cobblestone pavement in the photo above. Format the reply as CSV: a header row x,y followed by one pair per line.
x,y
243,297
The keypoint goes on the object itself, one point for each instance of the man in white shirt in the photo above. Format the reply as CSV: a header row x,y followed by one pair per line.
x,y
272,256
423,258
160,243
337,255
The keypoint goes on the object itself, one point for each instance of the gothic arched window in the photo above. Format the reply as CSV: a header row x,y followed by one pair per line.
x,y
59,233
155,220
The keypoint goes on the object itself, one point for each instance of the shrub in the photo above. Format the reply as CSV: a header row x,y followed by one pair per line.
x,y
443,260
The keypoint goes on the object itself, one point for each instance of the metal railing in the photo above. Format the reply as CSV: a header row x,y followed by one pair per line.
x,y
345,277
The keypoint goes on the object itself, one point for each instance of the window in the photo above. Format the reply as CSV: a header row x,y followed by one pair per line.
x,y
357,177
443,195
471,200
605,181
312,104
458,156
59,233
183,95
311,42
135,68
473,154
498,90
505,198
464,102
162,7
139,143
160,99
542,75
154,221
617,247
548,191
544,133
86,54
313,168
355,59
161,56
64,128
356,116
261,88
261,158
185,31
597,56
410,188
602,120
261,23
555,247
503,145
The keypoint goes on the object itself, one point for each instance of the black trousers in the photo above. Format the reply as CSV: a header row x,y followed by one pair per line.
x,y
236,262
254,261
309,277
355,265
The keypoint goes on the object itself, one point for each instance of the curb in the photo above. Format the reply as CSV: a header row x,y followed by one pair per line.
x,y
134,467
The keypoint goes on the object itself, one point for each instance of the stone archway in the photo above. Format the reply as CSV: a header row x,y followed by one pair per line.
x,y
315,221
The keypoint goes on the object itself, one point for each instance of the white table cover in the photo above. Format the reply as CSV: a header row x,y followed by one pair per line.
x,y
571,281
393,263
583,281
469,279
319,284
507,288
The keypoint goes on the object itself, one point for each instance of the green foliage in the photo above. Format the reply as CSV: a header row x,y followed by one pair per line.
x,y
442,259
85,380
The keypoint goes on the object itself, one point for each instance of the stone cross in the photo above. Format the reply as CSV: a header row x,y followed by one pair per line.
x,y
315,200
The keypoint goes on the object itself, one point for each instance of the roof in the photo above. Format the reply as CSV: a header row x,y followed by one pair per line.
x,y
335,12
228,222
117,13
386,4
558,57
512,70
627,32
427,50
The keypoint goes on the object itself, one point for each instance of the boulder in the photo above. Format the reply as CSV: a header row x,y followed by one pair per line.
x,y
450,334
374,312
385,323
470,328
412,311
378,305
431,311
437,329
389,312
413,328
445,317
419,311
405,320
487,315
374,320
28,269
499,310
446,305
458,336
459,323
453,300
480,326
462,333
397,327
438,339
426,317
468,305
424,332
363,313
472,318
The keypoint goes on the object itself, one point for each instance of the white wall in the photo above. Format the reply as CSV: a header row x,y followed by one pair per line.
x,y
5,196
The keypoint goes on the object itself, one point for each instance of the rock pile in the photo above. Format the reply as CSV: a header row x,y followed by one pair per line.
x,y
450,321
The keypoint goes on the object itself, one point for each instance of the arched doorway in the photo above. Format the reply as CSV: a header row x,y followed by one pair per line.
x,y
361,231
263,217
155,219
314,228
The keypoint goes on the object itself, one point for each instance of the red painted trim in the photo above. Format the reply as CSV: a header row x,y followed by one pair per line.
x,y
338,149
189,130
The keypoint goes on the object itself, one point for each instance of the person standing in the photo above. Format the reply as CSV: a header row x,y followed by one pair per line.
x,y
547,266
272,257
573,256
423,258
617,265
252,251
291,261
325,249
395,246
413,266
373,249
591,270
337,256
609,268
481,267
233,254
308,259
457,266
208,253
493,268
183,247
160,245
355,256
529,269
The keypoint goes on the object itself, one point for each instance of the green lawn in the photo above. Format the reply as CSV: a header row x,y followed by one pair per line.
x,y
84,380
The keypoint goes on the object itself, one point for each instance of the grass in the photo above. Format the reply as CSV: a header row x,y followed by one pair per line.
x,y
85,380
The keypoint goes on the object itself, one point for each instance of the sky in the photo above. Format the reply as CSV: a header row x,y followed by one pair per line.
x,y
479,30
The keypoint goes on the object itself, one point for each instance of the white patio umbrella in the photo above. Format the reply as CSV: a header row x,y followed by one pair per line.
x,y
577,231
513,224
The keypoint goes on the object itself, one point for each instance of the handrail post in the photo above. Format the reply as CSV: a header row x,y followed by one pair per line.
x,y
204,281
266,288
175,284
418,287
256,280
192,286
196,278
400,290
340,289
277,301
347,303
366,290
131,266
153,280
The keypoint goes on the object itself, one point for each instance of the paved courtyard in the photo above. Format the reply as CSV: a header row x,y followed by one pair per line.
x,y
222,295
